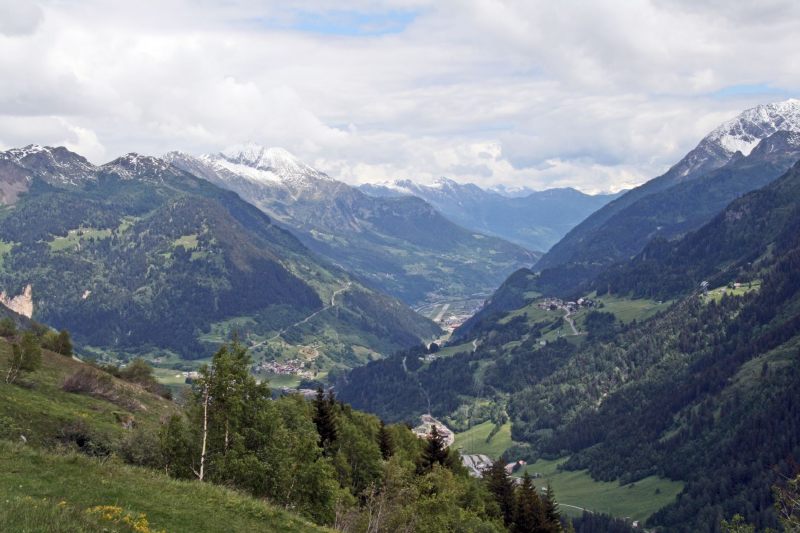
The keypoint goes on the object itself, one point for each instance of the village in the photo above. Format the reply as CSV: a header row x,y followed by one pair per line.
x,y
291,367
553,304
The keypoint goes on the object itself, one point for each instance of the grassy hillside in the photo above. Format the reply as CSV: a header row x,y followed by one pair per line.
x,y
48,492
38,407
477,440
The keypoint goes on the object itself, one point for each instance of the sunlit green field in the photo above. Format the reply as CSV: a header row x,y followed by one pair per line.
x,y
473,441
627,310
577,490
717,294
60,493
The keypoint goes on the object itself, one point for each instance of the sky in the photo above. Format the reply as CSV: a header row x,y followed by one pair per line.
x,y
599,95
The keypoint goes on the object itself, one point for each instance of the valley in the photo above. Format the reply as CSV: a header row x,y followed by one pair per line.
x,y
486,266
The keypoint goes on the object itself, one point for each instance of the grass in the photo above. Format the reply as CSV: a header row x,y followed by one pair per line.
x,y
76,236
39,409
626,310
452,350
5,248
279,381
717,294
34,485
188,242
473,441
168,376
577,490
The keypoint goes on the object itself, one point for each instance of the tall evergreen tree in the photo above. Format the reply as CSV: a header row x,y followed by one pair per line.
x,y
502,488
325,419
551,512
529,516
385,442
435,452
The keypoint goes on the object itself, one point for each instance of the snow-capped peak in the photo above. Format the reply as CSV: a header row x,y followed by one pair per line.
x,y
745,131
278,160
443,183
265,165
136,165
54,164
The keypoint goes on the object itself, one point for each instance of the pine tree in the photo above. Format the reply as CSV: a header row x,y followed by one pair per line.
x,y
385,442
325,420
529,514
551,512
435,452
502,489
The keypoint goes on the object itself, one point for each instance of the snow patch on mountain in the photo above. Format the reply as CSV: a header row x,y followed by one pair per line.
x,y
133,165
744,132
266,165
56,165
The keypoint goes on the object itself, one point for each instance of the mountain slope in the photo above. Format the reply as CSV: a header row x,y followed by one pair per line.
x,y
622,228
703,392
139,256
536,220
401,245
719,252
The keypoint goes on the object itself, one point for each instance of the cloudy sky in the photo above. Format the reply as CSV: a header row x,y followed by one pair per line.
x,y
599,95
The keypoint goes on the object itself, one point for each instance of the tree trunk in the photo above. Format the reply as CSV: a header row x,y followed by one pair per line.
x,y
205,433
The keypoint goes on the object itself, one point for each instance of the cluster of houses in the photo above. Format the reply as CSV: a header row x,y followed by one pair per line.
x,y
477,464
452,322
552,304
292,367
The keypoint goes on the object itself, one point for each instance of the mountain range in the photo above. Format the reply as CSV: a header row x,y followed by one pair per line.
x,y
739,156
676,359
400,245
534,219
700,389
138,256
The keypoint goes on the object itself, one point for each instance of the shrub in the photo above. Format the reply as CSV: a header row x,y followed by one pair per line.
x,y
77,433
8,328
58,342
142,447
100,385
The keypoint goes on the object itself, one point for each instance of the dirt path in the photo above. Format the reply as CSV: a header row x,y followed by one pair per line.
x,y
571,323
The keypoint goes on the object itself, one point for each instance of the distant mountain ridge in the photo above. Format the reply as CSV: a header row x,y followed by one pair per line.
x,y
401,245
706,179
139,256
535,219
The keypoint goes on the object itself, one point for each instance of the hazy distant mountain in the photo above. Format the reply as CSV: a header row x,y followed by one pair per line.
x,y
400,244
737,157
139,256
536,220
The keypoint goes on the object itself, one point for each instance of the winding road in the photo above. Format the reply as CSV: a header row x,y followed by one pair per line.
x,y
336,293
571,322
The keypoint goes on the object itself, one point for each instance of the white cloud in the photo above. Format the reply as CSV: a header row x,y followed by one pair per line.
x,y
19,18
599,95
